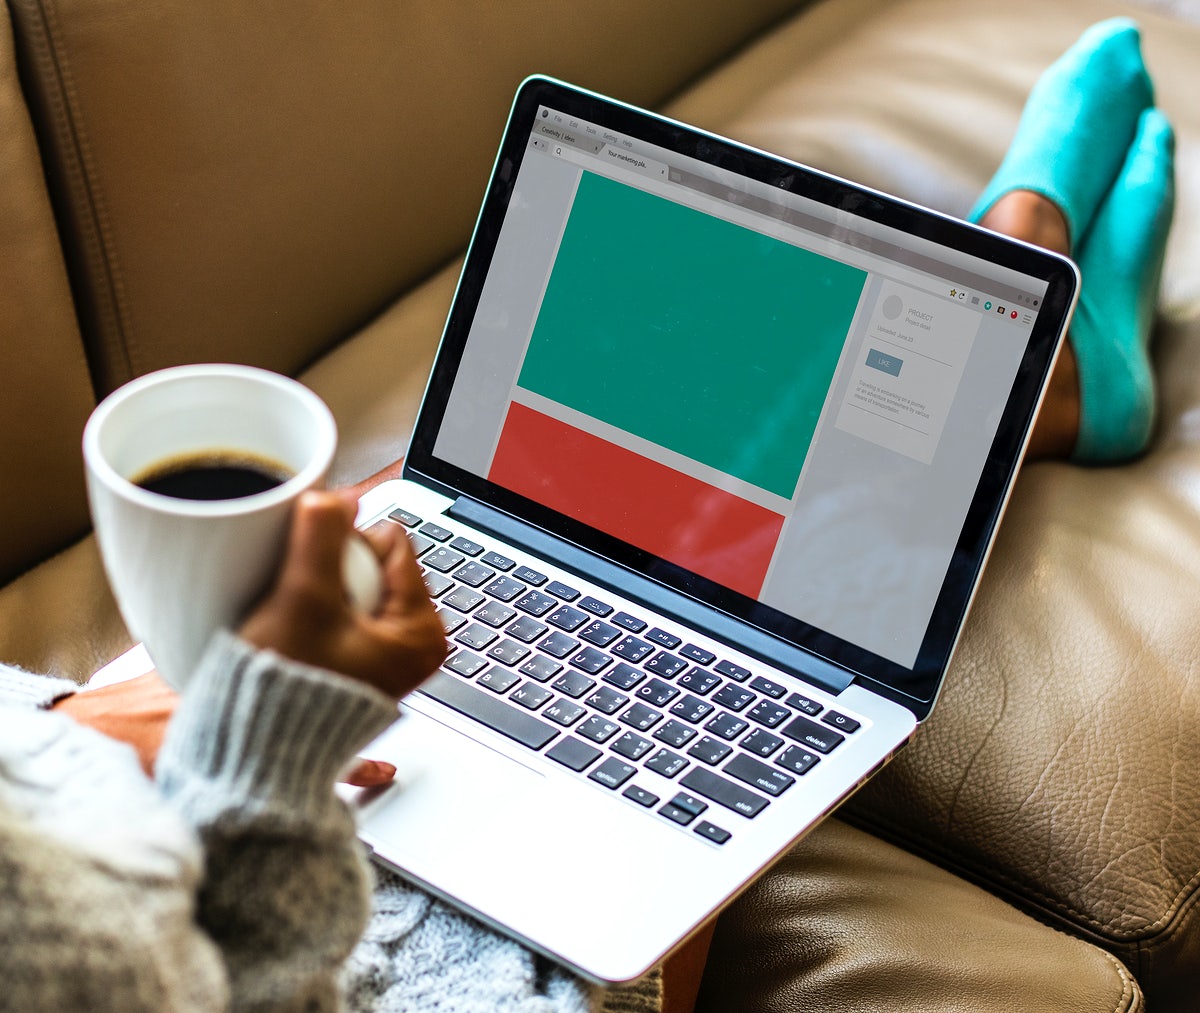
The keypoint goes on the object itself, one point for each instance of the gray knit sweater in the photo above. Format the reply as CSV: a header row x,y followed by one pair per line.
x,y
234,880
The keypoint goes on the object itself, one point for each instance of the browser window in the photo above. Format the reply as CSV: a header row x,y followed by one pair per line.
x,y
669,353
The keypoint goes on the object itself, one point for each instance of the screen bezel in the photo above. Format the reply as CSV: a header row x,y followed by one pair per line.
x,y
916,687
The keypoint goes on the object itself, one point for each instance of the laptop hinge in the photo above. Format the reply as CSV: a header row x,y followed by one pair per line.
x,y
739,635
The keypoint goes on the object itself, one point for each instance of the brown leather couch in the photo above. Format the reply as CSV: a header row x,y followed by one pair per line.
x,y
290,185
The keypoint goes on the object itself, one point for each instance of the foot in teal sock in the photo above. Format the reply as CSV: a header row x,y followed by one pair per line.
x,y
1121,264
1077,125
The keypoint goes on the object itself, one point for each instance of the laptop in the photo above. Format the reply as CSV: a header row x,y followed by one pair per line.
x,y
710,460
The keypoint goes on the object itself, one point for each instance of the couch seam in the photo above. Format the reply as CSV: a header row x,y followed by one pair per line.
x,y
82,182
1128,989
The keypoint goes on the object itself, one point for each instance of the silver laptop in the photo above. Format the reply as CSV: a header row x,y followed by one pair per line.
x,y
710,460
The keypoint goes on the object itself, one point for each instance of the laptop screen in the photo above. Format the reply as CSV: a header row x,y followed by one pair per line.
x,y
780,395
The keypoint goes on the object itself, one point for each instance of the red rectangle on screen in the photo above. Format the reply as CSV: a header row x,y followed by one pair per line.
x,y
704,529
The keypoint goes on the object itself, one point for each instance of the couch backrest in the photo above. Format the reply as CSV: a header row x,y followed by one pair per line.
x,y
45,393
252,181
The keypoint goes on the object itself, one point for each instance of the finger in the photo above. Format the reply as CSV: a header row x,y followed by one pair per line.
x,y
406,590
320,526
370,774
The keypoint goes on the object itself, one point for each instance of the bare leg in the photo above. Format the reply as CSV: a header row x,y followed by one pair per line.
x,y
1029,216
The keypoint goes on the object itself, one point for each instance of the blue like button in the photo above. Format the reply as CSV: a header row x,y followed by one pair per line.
x,y
885,363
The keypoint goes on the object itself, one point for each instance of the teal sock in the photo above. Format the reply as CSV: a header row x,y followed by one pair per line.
x,y
1121,264
1077,125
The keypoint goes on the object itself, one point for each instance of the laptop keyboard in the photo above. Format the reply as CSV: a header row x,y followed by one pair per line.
x,y
606,694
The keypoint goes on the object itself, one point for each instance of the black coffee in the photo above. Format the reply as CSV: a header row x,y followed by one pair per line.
x,y
213,475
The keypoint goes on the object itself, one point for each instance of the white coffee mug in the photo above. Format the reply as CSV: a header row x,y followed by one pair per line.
x,y
182,568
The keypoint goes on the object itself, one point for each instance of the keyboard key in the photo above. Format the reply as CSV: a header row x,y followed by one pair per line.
x,y
572,753
663,638
732,671
561,590
598,633
772,689
689,803
505,588
466,546
607,700
489,710
558,645
530,695
797,760
809,733
803,703
724,792
540,668
498,680
632,746
567,618
409,520
734,697
627,622
474,574
666,665
666,763
641,717
640,796
769,713
697,654
420,544
508,652
727,726
675,733
612,773
526,629
498,561
598,729
573,684
710,751
761,742
466,664
452,622
677,815
624,676
755,772
563,712
692,709
442,559
437,584
476,636
632,649
841,722
699,681
591,661
595,606
535,603
494,614
463,599
530,576
711,833
436,532
656,692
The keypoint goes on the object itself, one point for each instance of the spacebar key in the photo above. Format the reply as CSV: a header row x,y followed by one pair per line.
x,y
488,710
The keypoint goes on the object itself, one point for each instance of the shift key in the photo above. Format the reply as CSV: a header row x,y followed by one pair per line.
x,y
723,792
488,710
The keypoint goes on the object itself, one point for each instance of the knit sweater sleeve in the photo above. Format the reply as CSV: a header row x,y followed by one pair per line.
x,y
236,881
249,760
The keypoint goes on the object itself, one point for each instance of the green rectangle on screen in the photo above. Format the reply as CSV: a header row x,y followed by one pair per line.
x,y
701,336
